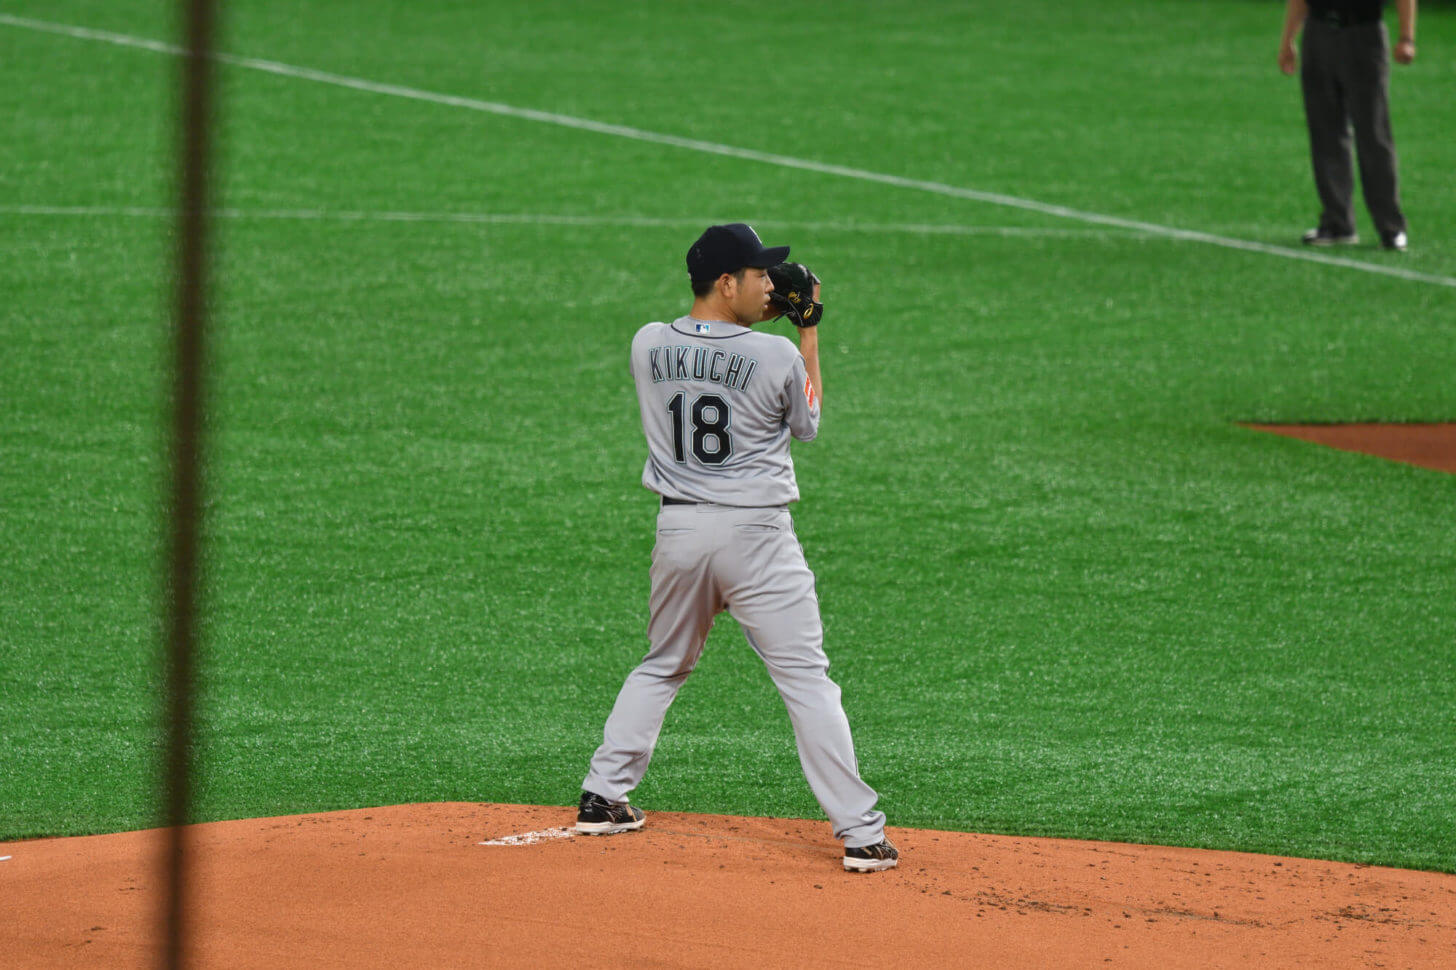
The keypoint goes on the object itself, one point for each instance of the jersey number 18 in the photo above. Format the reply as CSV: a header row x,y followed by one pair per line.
x,y
710,441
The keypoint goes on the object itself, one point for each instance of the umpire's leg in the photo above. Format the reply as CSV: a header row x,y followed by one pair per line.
x,y
1329,127
1367,85
770,591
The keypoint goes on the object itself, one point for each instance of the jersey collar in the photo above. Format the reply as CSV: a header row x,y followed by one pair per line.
x,y
715,329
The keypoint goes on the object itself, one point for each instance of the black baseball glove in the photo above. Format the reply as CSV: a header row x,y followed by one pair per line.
x,y
793,294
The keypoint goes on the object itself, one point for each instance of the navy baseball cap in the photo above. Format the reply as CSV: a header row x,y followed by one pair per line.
x,y
727,249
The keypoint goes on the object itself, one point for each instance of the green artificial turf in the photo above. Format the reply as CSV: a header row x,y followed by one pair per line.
x,y
1065,594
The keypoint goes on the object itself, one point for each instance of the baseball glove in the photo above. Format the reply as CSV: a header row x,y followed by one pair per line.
x,y
793,294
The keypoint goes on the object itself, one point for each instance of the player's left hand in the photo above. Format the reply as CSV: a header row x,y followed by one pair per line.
x,y
1405,51
795,294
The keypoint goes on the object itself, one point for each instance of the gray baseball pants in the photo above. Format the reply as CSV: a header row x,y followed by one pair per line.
x,y
1345,75
747,560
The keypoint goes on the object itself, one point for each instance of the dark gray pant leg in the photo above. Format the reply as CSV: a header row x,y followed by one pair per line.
x,y
1329,126
1367,72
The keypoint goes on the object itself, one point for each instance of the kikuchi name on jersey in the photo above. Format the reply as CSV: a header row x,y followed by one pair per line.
x,y
688,363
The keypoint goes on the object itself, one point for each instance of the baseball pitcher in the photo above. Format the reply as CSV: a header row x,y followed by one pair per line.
x,y
719,403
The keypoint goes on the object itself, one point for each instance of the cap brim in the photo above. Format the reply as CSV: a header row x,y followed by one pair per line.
x,y
770,256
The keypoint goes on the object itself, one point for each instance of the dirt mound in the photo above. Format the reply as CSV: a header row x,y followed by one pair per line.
x,y
412,886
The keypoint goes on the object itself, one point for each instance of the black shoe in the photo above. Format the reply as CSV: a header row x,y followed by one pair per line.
x,y
872,858
1324,237
597,816
1395,241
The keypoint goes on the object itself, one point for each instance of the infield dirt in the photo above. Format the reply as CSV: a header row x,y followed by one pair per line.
x,y
411,886
1426,445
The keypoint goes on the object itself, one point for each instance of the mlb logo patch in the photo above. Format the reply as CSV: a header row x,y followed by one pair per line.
x,y
703,328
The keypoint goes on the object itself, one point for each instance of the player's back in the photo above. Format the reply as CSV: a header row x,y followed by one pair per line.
x,y
719,402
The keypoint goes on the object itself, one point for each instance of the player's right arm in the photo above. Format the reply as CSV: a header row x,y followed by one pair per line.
x,y
1294,15
801,390
809,347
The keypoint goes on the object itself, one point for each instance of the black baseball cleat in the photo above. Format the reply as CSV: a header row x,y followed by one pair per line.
x,y
597,816
1395,241
872,858
1326,237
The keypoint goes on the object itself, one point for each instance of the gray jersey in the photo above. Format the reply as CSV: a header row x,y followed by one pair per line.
x,y
719,402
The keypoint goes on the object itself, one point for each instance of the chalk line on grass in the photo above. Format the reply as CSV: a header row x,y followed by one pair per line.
x,y
747,154
554,219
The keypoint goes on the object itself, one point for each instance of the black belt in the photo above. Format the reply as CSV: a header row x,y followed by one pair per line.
x,y
1342,18
682,501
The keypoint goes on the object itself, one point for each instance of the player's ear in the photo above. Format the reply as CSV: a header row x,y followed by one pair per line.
x,y
725,285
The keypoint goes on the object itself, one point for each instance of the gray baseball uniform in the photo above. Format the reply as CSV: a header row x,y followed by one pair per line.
x,y
718,403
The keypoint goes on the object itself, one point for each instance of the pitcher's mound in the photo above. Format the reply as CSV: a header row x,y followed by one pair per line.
x,y
412,886
1427,445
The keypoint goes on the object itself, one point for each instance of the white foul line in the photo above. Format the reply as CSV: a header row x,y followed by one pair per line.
x,y
713,148
552,219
